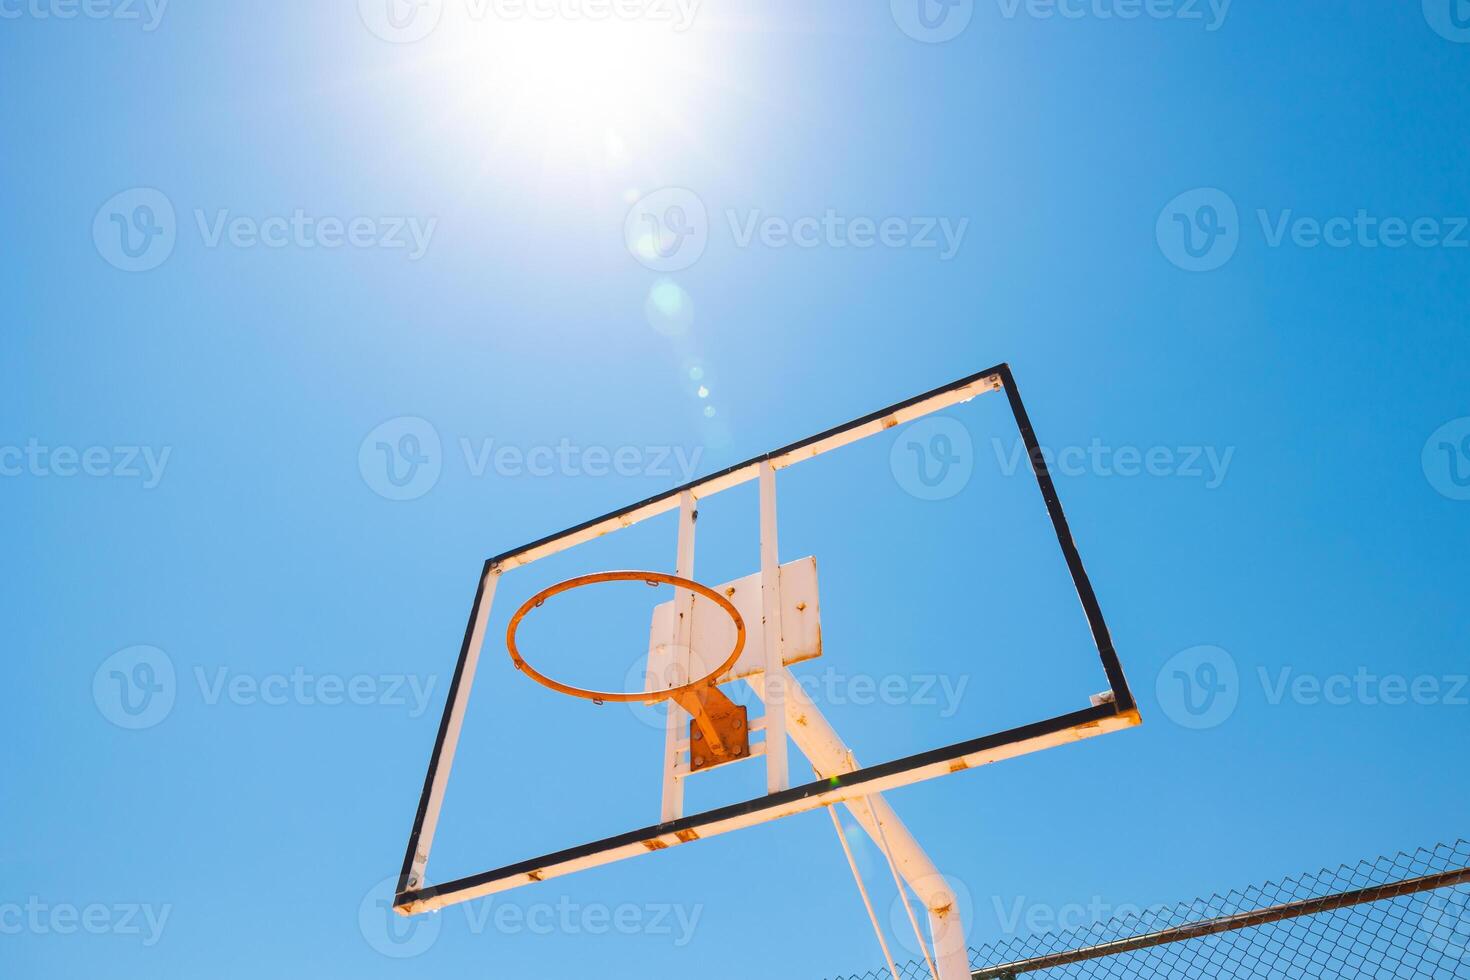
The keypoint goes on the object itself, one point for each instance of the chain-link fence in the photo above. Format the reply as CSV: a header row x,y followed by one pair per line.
x,y
1402,916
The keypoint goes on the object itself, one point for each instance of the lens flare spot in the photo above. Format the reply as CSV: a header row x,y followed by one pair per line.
x,y
668,308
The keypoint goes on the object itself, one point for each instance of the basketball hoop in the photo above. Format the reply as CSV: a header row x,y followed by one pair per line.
x,y
650,578
720,726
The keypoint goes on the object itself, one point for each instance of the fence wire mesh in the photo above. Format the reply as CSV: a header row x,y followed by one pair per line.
x,y
1404,916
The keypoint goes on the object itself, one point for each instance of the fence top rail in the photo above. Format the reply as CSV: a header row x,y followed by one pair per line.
x,y
1380,879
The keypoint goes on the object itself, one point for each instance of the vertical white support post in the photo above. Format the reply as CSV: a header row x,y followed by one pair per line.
x,y
676,719
776,679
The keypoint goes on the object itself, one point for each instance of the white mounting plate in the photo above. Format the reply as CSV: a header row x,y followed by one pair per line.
x,y
713,632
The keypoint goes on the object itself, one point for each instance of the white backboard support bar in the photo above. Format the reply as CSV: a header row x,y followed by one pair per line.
x,y
774,696
708,486
681,631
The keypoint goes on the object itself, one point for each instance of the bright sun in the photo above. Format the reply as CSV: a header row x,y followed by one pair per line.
x,y
567,87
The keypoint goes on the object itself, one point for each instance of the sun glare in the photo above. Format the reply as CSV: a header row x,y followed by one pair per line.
x,y
570,88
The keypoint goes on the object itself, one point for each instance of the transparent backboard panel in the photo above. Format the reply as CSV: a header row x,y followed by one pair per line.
x,y
947,613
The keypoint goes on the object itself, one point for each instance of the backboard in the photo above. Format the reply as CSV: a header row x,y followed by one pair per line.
x,y
751,631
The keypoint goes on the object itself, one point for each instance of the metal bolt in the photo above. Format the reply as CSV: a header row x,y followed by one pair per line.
x,y
698,761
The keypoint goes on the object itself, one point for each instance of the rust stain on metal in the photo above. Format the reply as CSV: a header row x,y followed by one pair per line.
x,y
958,765
890,421
801,607
721,726
686,835
654,844
535,876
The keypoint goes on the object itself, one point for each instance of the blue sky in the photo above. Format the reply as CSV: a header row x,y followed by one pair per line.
x,y
559,264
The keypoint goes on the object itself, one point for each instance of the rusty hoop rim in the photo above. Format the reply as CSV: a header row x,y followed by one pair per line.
x,y
623,576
